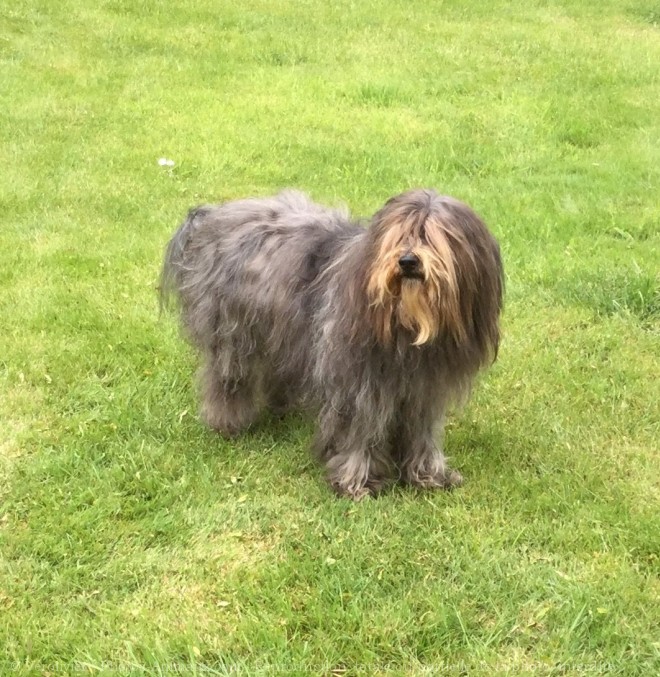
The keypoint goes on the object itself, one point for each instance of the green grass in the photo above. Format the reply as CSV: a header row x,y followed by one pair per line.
x,y
134,539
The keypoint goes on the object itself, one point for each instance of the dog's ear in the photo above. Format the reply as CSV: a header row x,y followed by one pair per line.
x,y
480,275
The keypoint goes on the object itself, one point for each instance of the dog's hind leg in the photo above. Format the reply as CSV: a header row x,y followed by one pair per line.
x,y
279,400
230,401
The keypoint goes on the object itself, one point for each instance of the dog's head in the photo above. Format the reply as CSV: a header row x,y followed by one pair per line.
x,y
435,271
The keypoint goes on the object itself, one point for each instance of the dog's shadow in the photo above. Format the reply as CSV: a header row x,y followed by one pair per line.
x,y
464,439
285,429
277,445
491,450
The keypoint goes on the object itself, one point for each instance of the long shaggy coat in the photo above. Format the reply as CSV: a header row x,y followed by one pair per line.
x,y
376,330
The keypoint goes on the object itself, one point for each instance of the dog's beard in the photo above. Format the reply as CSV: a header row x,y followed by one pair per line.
x,y
415,312
406,302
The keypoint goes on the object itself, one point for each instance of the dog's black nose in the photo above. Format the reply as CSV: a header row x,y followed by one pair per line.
x,y
408,263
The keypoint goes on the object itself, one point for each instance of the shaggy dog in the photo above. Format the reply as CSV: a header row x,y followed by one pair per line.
x,y
377,330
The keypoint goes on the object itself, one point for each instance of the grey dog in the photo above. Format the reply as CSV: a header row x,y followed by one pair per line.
x,y
376,330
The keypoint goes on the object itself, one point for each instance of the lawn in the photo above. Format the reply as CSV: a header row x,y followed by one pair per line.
x,y
132,538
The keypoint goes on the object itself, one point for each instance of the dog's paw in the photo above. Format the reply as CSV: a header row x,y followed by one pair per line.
x,y
358,493
447,479
453,479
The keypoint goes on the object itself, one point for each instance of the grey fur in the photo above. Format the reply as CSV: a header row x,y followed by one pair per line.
x,y
274,294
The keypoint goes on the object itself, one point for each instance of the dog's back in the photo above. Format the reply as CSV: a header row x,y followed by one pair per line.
x,y
242,271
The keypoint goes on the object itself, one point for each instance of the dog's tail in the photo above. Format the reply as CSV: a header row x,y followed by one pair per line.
x,y
174,262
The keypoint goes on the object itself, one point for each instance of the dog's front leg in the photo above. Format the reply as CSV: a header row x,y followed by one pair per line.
x,y
420,458
356,465
356,473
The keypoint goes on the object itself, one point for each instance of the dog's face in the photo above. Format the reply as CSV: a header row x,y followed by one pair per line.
x,y
433,260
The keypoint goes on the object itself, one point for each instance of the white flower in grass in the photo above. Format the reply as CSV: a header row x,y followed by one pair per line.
x,y
164,162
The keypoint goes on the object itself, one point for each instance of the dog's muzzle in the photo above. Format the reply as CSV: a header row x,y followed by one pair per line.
x,y
410,267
